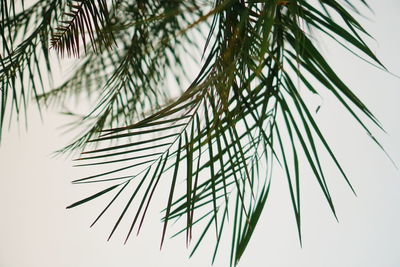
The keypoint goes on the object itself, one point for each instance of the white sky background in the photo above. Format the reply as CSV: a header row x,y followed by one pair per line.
x,y
37,231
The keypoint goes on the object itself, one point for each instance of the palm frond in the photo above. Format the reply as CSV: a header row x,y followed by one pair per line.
x,y
24,47
242,113
133,76
84,19
243,106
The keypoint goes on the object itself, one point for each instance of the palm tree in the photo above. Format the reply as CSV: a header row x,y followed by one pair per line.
x,y
220,133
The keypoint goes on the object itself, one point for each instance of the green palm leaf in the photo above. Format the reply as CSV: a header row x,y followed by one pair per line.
x,y
241,114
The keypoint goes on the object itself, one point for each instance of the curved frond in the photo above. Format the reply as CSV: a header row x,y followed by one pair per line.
x,y
243,107
85,18
24,59
242,114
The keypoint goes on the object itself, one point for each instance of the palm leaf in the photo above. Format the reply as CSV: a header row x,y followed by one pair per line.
x,y
242,112
85,18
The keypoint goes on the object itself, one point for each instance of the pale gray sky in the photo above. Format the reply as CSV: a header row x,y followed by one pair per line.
x,y
37,231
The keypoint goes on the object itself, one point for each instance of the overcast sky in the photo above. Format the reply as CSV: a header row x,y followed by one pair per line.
x,y
37,231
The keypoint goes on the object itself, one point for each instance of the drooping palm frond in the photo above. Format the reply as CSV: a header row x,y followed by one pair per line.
x,y
242,107
24,47
240,115
85,18
135,74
